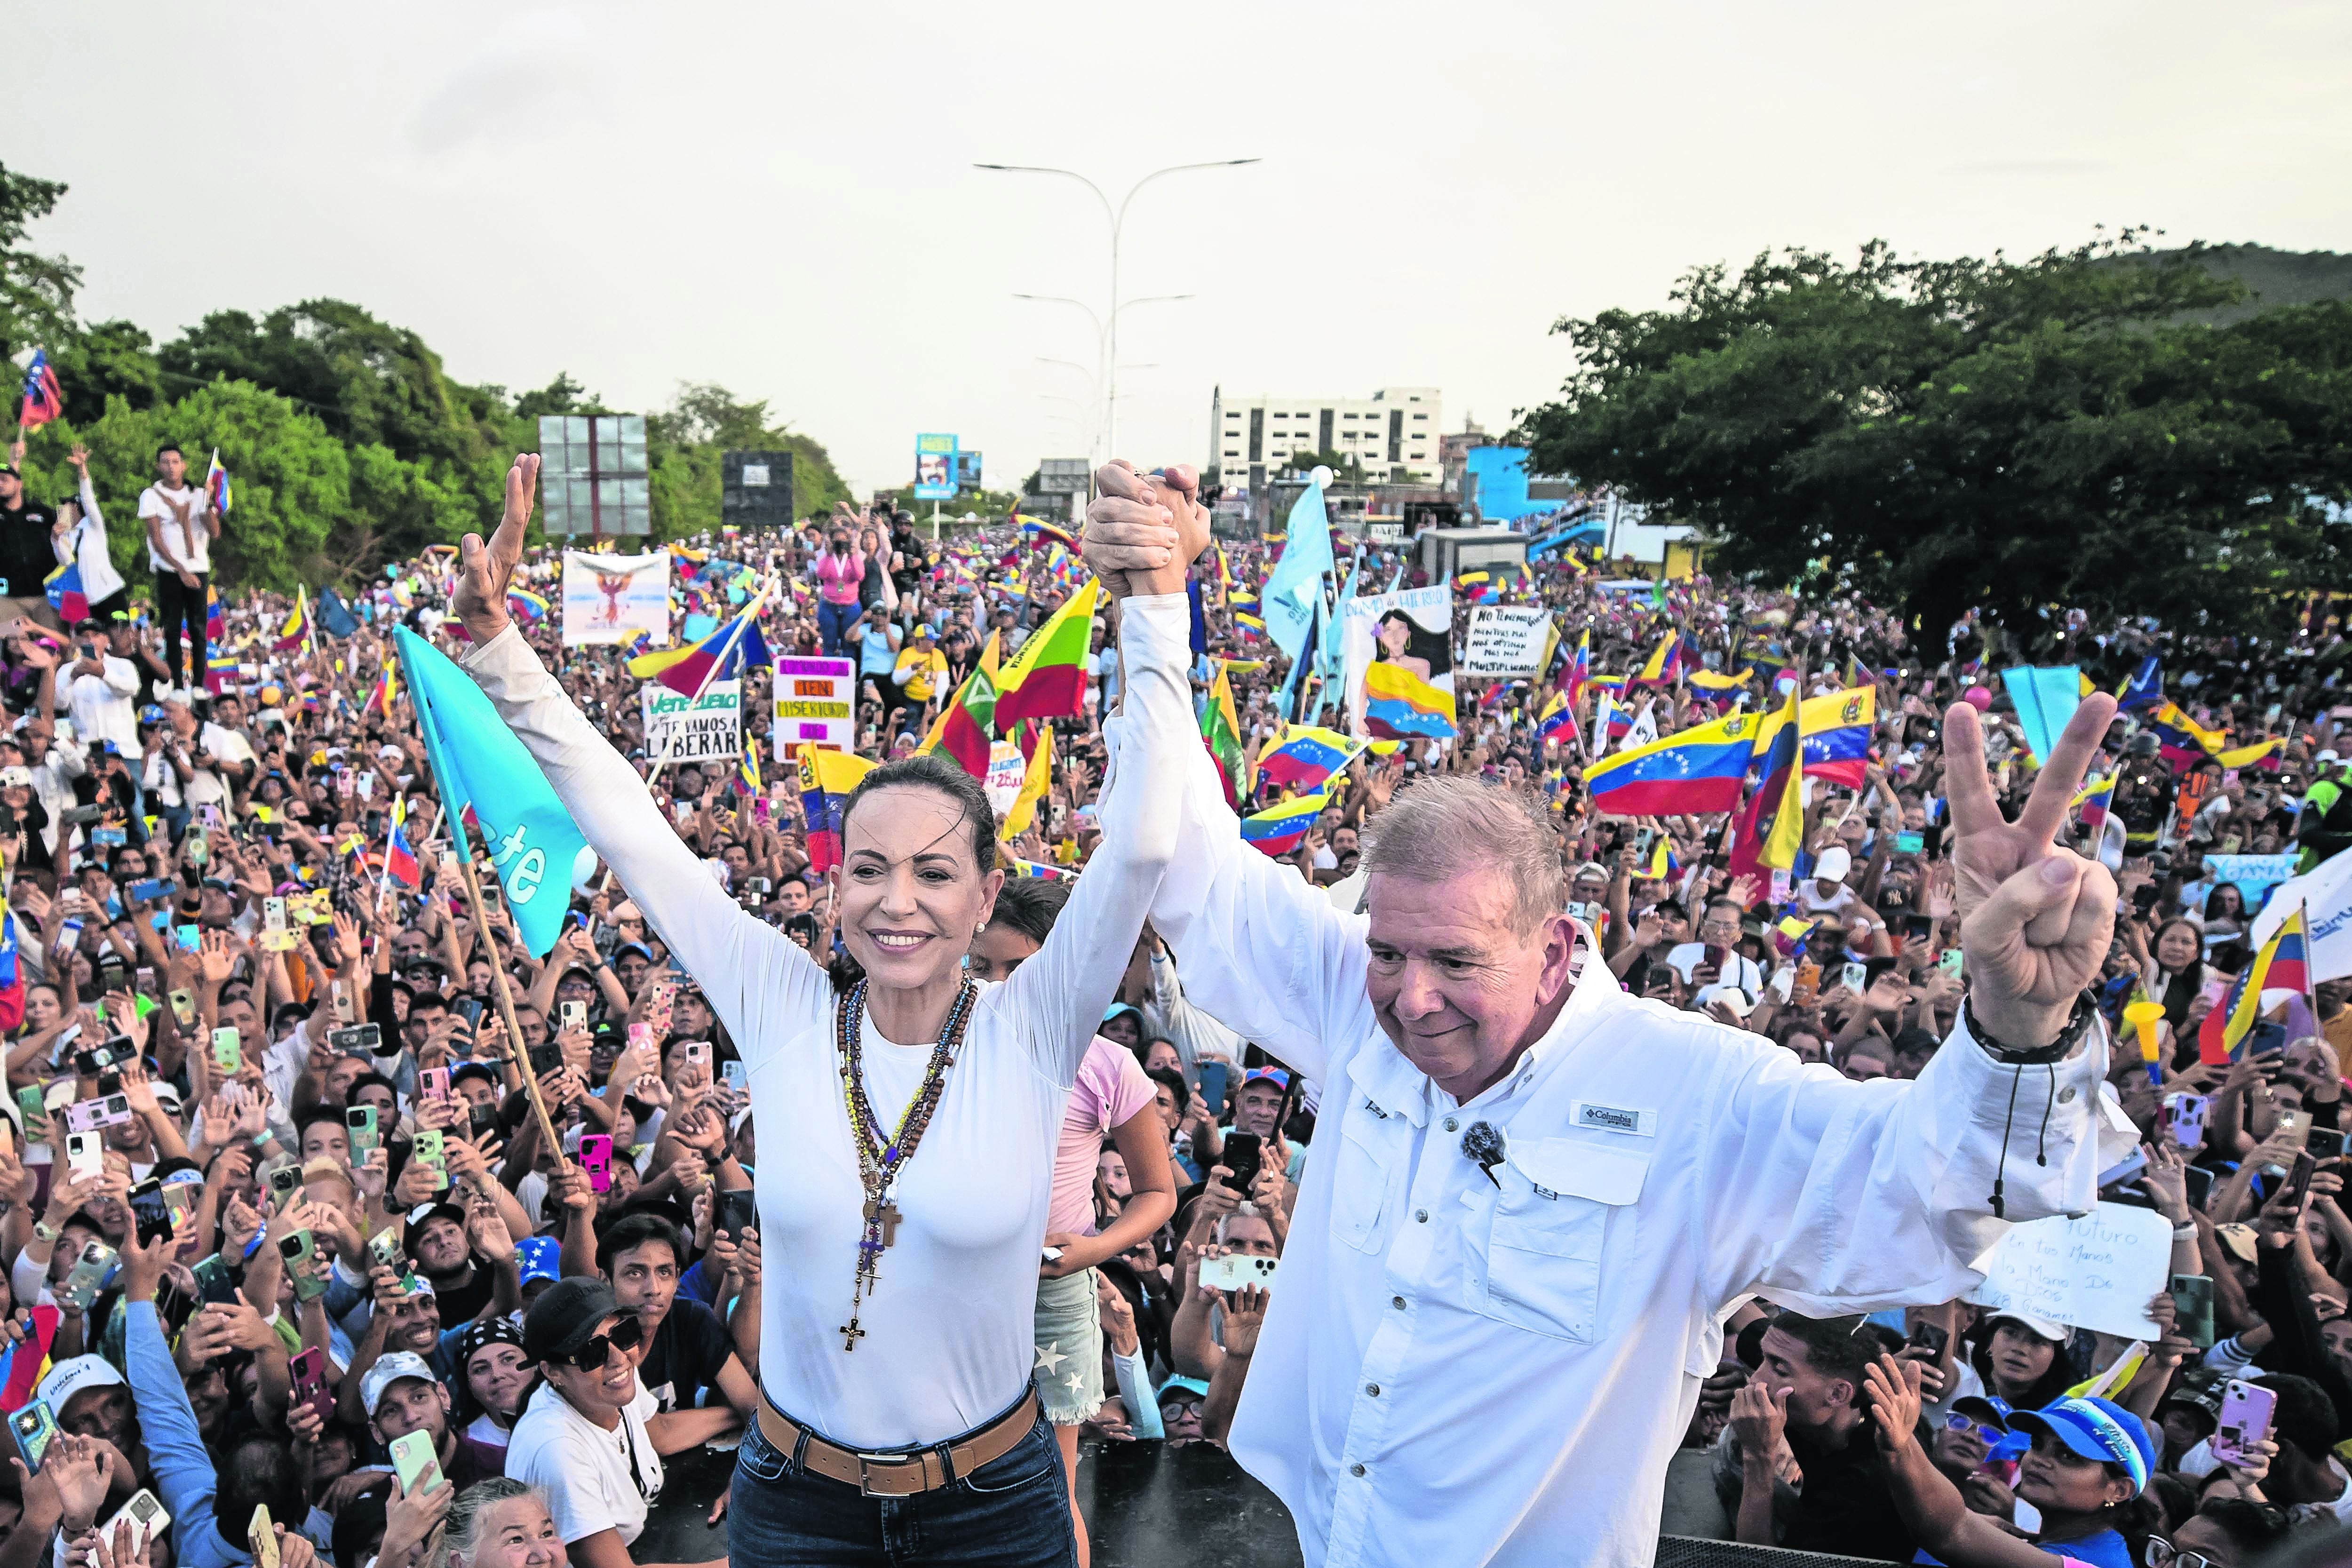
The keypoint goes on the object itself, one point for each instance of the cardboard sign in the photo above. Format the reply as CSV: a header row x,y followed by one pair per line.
x,y
816,701
2096,1272
1505,641
1006,768
612,598
679,729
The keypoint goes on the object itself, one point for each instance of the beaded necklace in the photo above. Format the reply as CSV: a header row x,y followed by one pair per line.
x,y
882,1156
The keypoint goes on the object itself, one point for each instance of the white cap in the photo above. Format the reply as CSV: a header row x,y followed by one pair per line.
x,y
1734,998
78,1375
2043,1326
1834,863
387,1371
2326,757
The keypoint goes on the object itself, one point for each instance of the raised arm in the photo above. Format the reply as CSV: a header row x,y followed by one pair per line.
x,y
736,956
1261,951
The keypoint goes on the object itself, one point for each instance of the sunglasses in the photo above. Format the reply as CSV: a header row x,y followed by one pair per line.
x,y
624,1336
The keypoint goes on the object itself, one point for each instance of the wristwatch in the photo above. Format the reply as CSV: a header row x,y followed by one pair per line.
x,y
2078,1023
45,1232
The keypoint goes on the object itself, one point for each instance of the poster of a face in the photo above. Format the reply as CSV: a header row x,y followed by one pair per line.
x,y
1412,628
931,471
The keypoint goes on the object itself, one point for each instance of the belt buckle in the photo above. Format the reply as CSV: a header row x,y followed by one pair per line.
x,y
865,1465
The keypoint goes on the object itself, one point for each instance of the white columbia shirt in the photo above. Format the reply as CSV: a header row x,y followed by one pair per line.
x,y
949,1332
1462,1371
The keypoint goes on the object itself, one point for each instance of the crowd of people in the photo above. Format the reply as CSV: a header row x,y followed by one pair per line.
x,y
293,1255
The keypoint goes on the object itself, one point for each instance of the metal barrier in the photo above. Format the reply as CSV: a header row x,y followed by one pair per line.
x,y
1689,1552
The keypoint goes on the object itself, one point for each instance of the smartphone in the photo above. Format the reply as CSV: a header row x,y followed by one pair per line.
x,y
738,1211
697,1052
147,1518
433,1083
1236,1270
384,1246
343,1013
85,1154
29,1101
1951,962
735,1076
2324,1143
1244,1156
2187,1114
470,1009
2298,1180
190,939
144,977
1213,1079
226,1055
261,1535
35,1429
481,1120
360,1121
298,1250
151,1213
2192,1302
360,1040
213,1283
575,1015
1930,1337
2199,1182
273,914
310,1372
183,1009
285,1181
2245,1422
152,891
430,1149
1910,843
546,1058
88,1276
413,1459
597,1159
1856,976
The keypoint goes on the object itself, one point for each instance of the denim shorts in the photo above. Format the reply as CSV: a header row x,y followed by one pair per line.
x,y
1069,1348
1011,1512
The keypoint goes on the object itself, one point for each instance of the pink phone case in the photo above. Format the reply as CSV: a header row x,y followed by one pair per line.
x,y
597,1159
2245,1421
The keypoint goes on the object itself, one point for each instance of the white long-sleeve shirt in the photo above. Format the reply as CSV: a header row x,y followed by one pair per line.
x,y
86,545
1467,1372
949,1329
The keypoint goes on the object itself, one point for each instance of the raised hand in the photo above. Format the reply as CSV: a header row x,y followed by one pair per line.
x,y
486,568
1141,533
2035,920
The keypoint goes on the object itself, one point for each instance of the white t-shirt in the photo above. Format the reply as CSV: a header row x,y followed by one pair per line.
x,y
206,788
192,540
1737,969
595,1480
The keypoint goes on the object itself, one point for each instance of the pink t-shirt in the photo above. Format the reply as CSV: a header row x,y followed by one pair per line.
x,y
838,576
1111,1090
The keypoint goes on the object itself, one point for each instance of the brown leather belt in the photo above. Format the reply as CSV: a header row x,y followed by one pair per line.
x,y
901,1473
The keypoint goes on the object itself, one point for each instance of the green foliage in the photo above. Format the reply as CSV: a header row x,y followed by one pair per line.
x,y
35,291
2004,435
685,444
1346,468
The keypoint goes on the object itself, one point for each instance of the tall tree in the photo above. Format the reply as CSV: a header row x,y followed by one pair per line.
x,y
1979,432
35,291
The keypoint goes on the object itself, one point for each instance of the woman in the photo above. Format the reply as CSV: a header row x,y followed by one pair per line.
x,y
2174,972
839,573
2018,1359
898,1348
2088,1468
501,1523
493,1376
875,588
80,538
1401,640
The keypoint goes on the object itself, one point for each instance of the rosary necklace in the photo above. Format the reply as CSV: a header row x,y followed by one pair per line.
x,y
882,1155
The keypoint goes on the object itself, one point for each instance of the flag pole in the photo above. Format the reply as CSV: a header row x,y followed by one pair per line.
x,y
520,1052
759,601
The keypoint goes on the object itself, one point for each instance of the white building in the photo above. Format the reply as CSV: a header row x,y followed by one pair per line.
x,y
1393,432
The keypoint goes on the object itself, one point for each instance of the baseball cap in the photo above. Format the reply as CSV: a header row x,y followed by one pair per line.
x,y
566,1318
78,1375
389,1370
2043,1326
1274,1076
2238,1240
536,1256
1834,865
2097,1429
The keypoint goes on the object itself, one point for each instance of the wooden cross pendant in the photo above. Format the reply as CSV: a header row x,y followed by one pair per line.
x,y
883,1213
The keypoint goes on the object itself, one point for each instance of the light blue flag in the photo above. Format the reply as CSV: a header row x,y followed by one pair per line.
x,y
2044,699
1295,589
483,769
1334,655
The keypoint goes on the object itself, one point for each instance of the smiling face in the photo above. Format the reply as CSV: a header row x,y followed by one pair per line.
x,y
911,895
607,1387
1454,987
517,1532
497,1373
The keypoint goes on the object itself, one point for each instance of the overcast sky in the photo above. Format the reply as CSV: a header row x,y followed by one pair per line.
x,y
780,197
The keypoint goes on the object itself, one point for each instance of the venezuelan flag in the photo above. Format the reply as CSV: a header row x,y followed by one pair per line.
x,y
66,596
2096,798
2182,739
215,623
1278,829
296,632
1249,623
1557,715
216,484
1708,680
827,778
1780,792
399,859
526,605
2239,757
1578,671
722,655
1017,866
1695,771
1666,662
1399,705
2283,964
1307,755
1836,727
386,690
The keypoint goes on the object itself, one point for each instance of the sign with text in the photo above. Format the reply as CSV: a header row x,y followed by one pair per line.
x,y
682,729
935,467
2253,875
2096,1272
1505,641
1006,768
816,701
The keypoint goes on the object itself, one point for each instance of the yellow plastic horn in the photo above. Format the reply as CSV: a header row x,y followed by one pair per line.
x,y
2144,1015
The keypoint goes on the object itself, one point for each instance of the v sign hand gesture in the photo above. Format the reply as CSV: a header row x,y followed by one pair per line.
x,y
2035,920
486,569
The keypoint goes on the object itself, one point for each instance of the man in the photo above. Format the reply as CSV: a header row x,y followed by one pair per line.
x,y
181,526
1713,959
220,758
102,688
402,1395
877,641
1545,1197
687,1353
1808,1391
27,557
436,1242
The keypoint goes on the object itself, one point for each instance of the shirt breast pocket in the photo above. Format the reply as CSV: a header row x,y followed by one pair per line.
x,y
1371,1162
1551,1221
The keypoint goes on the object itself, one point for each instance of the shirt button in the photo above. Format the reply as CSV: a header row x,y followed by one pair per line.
x,y
1355,1469
1373,1389
1397,1302
2067,1095
1421,1215
1452,1122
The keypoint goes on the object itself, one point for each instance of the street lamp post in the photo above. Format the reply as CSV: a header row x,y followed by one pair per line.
x,y
1117,220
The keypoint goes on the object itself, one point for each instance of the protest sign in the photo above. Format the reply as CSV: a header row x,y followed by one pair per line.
x,y
2325,892
1412,627
612,598
815,702
2094,1272
2254,875
680,729
1505,641
1006,767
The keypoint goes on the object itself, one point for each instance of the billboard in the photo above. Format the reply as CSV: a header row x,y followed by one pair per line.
x,y
755,489
967,469
935,467
593,475
1063,476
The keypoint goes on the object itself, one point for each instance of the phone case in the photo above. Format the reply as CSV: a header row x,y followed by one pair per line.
x,y
2245,1421
413,1460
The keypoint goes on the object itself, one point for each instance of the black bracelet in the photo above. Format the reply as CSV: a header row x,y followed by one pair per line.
x,y
2078,1023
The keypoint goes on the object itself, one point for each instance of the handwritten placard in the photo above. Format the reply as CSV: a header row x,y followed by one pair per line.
x,y
2096,1272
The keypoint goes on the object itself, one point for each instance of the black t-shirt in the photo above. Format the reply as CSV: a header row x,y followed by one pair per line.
x,y
462,1303
687,1350
27,557
1847,1508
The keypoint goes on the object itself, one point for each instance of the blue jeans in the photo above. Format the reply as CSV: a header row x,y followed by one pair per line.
x,y
833,622
1011,1512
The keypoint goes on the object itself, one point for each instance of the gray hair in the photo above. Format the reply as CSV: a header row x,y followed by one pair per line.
x,y
461,1537
1445,825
